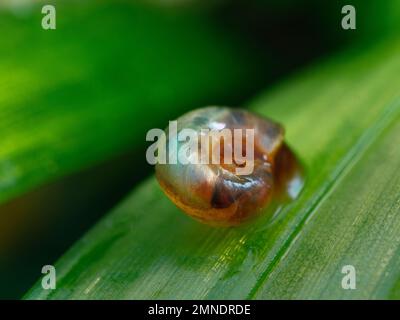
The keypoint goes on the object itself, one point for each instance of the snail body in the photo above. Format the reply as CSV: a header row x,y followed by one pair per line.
x,y
215,193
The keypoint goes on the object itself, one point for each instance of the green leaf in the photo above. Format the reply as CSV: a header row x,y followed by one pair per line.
x,y
341,118
357,224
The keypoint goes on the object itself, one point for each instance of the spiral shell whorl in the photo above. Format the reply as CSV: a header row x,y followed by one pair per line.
x,y
211,192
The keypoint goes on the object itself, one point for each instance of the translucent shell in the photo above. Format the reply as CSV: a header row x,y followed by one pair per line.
x,y
214,193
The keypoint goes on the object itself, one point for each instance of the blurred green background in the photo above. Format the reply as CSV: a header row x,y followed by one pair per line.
x,y
76,102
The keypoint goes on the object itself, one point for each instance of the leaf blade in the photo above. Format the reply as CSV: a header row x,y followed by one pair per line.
x,y
167,255
359,228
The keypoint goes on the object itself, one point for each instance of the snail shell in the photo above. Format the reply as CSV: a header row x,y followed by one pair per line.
x,y
214,193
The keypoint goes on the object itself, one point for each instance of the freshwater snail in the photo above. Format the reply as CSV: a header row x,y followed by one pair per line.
x,y
218,193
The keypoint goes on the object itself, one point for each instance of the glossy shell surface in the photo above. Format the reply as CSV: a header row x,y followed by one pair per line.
x,y
214,193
